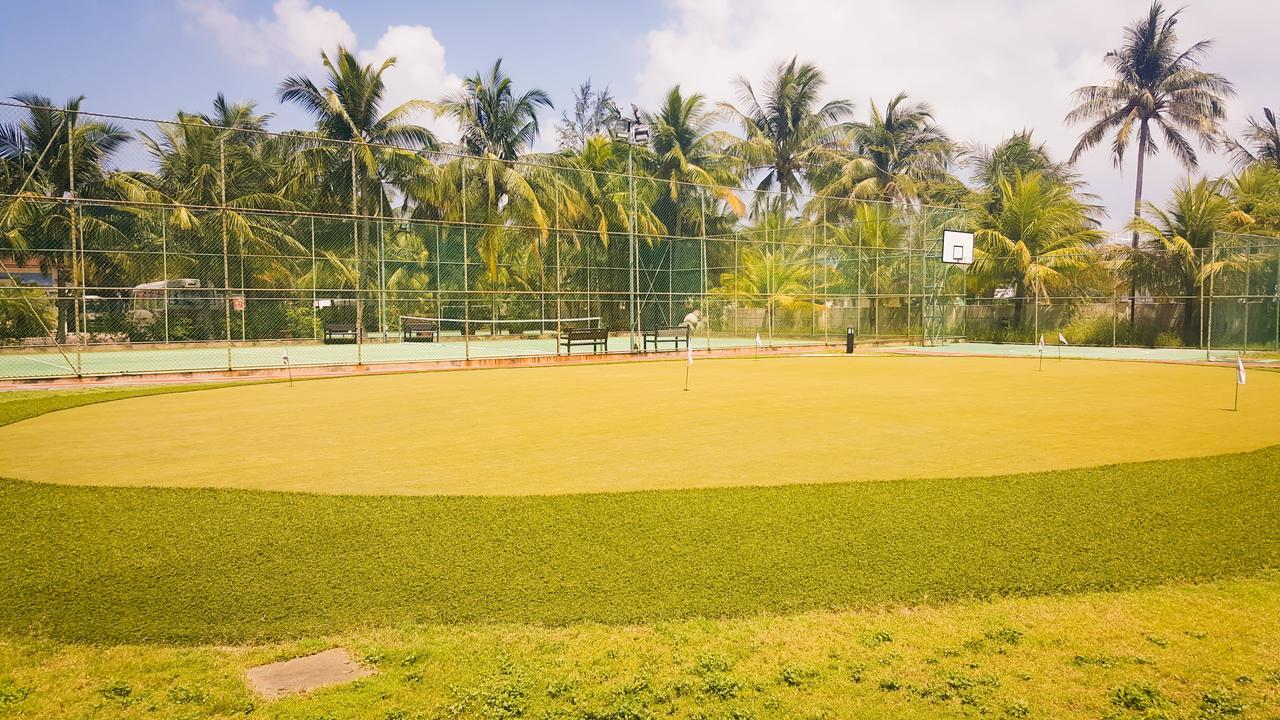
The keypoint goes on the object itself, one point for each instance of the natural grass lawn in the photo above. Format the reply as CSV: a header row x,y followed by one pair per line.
x,y
1180,651
629,426
100,564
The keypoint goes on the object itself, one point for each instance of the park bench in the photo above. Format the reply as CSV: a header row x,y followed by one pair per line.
x,y
419,330
339,332
596,338
674,335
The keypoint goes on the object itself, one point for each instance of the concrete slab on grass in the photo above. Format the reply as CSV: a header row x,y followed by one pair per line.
x,y
331,667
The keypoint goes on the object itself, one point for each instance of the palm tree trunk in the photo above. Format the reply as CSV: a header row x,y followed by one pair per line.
x,y
1143,140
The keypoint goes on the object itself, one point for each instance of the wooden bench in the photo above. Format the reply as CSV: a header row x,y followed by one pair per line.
x,y
419,330
596,338
340,332
674,335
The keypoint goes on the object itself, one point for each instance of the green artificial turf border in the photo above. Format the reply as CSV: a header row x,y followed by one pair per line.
x,y
153,565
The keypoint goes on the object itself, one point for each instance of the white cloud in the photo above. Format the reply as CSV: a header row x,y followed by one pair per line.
x,y
419,72
297,31
989,67
292,37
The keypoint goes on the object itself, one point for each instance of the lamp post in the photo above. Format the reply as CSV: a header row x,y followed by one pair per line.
x,y
632,132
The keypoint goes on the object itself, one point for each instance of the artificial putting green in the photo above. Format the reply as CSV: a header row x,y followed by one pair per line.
x,y
630,426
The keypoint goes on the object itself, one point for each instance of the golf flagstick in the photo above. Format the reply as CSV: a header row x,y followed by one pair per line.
x,y
757,356
687,365
1062,340
1040,346
287,365
1240,380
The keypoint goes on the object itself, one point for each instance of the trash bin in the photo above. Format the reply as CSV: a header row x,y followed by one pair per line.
x,y
848,340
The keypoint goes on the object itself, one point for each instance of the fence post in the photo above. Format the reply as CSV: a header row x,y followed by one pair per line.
x,y
556,237
315,311
703,284
1213,258
77,246
164,265
226,267
359,279
466,277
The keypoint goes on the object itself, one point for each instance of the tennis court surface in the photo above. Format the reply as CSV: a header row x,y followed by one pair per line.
x,y
211,357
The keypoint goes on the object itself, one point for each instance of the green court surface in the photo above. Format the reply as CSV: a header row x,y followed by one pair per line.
x,y
206,357
1053,351
631,426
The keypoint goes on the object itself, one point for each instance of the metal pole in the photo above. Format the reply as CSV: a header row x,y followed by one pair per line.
x,y
244,311
558,271
77,248
315,312
226,267
704,280
632,256
439,302
164,264
1275,298
355,233
466,278
1213,258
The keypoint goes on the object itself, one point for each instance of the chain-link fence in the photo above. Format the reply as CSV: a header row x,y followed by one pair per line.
x,y
143,246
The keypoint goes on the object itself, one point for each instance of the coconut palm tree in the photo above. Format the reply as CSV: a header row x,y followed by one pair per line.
x,y
1017,153
1037,238
689,157
896,153
1157,87
494,120
1175,259
56,153
787,133
1255,195
1260,145
380,148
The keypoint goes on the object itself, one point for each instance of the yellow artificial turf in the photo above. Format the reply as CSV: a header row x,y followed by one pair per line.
x,y
630,426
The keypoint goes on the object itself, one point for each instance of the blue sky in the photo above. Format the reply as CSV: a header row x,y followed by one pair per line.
x,y
989,67
150,57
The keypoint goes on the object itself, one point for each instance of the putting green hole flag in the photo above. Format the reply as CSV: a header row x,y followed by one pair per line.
x,y
1240,377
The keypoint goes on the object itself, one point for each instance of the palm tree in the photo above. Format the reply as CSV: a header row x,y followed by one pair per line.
x,y
221,160
896,153
1255,195
778,278
1260,145
787,133
1017,153
1174,259
384,147
495,122
1038,238
58,154
499,126
1157,87
688,152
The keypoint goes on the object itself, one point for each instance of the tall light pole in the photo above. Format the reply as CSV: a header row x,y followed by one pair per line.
x,y
632,132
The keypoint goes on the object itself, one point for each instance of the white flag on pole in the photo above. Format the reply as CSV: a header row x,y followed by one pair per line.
x,y
1062,340
758,343
285,356
1041,342
1240,377
689,347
